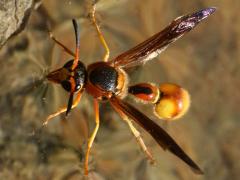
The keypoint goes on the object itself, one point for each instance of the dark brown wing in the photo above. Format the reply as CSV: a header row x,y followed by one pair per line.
x,y
153,46
161,136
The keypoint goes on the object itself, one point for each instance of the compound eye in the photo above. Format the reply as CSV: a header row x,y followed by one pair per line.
x,y
66,85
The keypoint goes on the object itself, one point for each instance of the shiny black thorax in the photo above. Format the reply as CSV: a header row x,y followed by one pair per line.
x,y
79,75
103,76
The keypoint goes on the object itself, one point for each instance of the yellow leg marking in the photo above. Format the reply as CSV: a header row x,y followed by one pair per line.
x,y
137,135
64,109
61,45
100,35
92,137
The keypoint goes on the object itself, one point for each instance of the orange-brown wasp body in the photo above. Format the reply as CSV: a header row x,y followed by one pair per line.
x,y
108,80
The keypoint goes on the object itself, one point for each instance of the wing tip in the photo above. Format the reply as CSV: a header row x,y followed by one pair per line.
x,y
209,10
185,23
204,13
197,170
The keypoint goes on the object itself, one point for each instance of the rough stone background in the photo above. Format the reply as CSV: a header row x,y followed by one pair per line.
x,y
205,61
13,17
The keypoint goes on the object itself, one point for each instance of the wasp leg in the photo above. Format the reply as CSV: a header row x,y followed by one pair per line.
x,y
100,35
60,44
140,141
64,109
137,135
92,137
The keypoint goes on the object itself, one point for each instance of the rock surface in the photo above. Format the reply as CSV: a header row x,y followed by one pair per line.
x,y
13,17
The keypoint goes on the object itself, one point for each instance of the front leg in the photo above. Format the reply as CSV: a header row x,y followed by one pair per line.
x,y
100,35
64,109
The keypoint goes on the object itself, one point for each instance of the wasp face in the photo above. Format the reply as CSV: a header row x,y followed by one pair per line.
x,y
68,78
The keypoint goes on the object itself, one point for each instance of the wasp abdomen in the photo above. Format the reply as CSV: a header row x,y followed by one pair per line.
x,y
173,103
170,100
145,92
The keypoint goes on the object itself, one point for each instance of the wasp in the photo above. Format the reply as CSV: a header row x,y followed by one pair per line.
x,y
107,80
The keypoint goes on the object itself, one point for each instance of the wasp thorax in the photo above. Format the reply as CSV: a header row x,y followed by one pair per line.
x,y
104,81
173,102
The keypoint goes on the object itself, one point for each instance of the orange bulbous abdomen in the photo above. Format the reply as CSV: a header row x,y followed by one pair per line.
x,y
173,102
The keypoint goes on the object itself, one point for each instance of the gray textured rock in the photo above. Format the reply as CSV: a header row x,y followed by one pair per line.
x,y
13,17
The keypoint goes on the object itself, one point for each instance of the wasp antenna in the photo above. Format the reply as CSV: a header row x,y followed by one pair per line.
x,y
70,102
77,36
76,29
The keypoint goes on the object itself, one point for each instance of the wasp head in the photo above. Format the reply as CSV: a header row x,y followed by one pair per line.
x,y
68,77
